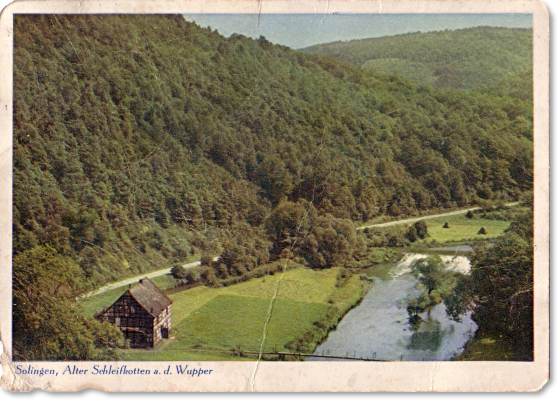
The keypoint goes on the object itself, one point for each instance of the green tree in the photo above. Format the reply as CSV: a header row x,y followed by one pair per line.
x,y
178,271
288,223
500,289
46,321
421,229
206,260
274,179
437,282
208,276
411,233
189,278
331,242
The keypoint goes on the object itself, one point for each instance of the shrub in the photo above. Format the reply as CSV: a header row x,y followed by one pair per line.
x,y
421,229
178,271
206,260
469,215
209,277
189,278
395,241
482,231
446,225
411,234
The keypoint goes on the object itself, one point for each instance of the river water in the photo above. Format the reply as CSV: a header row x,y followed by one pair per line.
x,y
378,327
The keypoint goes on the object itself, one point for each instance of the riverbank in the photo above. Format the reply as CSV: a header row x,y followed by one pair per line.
x,y
379,327
321,329
296,309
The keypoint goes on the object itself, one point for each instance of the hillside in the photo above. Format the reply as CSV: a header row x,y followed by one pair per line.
x,y
470,58
142,140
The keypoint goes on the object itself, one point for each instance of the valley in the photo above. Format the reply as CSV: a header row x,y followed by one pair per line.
x,y
204,317
234,172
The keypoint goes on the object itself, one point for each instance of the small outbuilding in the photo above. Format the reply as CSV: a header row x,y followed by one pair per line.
x,y
142,312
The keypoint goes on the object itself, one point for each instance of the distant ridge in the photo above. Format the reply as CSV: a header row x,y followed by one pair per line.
x,y
469,58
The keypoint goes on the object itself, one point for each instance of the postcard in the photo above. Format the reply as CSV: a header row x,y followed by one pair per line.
x,y
274,196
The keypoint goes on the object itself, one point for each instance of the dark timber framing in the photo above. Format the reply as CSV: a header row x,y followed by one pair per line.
x,y
143,313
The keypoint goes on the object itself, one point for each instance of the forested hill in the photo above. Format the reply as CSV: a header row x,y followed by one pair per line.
x,y
140,140
465,59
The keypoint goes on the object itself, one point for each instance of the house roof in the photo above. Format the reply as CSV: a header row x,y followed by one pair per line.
x,y
149,296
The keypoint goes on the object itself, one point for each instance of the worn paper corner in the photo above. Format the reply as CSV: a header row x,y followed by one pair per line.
x,y
8,379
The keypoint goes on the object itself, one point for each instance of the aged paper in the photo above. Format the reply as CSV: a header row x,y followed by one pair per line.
x,y
247,306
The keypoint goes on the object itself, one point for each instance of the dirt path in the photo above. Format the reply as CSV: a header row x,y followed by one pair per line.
x,y
136,278
419,218
194,264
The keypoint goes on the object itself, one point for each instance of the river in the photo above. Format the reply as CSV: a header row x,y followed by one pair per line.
x,y
378,327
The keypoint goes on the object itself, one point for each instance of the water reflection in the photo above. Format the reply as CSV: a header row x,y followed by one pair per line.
x,y
379,327
427,337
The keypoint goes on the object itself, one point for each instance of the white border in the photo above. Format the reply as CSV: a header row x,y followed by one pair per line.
x,y
304,376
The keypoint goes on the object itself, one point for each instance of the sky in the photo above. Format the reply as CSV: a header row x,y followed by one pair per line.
x,y
301,30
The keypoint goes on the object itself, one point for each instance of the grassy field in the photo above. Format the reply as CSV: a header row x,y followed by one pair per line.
x,y
461,228
210,323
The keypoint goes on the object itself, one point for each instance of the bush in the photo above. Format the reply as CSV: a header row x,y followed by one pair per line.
x,y
395,241
411,234
208,277
446,225
482,231
206,260
189,278
421,229
178,271
469,215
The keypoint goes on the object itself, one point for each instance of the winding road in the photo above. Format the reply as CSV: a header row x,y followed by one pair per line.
x,y
136,278
419,218
194,264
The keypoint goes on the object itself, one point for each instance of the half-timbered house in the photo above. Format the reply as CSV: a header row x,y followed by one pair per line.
x,y
142,312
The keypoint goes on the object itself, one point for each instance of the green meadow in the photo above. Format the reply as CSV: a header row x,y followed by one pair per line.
x,y
218,323
462,228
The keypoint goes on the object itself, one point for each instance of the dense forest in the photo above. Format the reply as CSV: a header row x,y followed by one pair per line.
x,y
471,58
143,141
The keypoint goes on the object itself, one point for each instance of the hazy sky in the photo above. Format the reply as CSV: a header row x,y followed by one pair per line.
x,y
301,30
